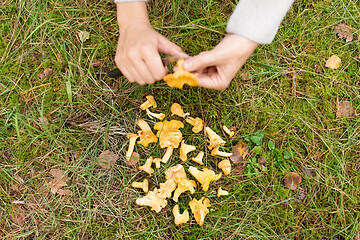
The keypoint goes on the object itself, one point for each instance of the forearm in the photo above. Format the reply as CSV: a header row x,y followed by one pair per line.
x,y
133,12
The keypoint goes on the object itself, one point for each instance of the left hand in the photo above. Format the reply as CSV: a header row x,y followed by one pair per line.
x,y
217,67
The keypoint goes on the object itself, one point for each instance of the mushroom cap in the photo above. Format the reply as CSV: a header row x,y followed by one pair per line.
x,y
221,192
204,177
153,200
196,122
147,166
215,140
183,185
180,218
169,133
200,209
146,134
174,172
144,185
176,109
150,102
167,188
225,166
185,149
198,158
181,77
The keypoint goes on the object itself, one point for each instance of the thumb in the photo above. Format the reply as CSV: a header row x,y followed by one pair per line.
x,y
169,48
200,62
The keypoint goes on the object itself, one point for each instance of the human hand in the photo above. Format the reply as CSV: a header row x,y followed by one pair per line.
x,y
137,55
217,67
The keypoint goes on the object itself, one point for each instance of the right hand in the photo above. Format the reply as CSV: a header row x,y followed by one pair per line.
x,y
137,55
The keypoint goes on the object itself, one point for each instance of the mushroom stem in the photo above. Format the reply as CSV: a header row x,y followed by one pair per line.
x,y
130,150
144,185
216,152
167,154
159,116
227,130
150,102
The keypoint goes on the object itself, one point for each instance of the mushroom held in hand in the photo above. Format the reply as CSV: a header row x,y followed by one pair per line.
x,y
204,177
146,134
185,149
169,136
215,140
180,218
200,209
181,77
176,109
225,166
144,185
147,166
150,102
196,122
153,200
183,185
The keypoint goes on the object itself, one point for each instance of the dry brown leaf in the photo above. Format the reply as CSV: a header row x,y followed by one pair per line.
x,y
333,62
96,63
107,159
344,109
58,182
47,72
344,31
239,152
134,159
18,216
292,180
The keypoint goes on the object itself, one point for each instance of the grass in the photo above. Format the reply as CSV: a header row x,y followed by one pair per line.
x,y
284,91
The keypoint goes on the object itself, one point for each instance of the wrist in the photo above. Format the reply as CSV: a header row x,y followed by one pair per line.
x,y
132,13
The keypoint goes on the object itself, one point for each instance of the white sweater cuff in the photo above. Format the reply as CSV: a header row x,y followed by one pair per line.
x,y
258,20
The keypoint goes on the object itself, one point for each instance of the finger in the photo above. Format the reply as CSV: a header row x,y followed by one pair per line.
x,y
200,62
153,62
138,68
167,47
134,76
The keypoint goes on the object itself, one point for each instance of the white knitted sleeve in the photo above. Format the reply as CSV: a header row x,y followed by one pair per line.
x,y
258,20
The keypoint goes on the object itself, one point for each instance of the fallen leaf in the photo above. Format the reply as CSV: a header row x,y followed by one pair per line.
x,y
43,120
96,63
262,161
344,109
47,72
83,35
18,216
134,159
107,159
239,152
239,170
333,62
58,182
292,180
344,31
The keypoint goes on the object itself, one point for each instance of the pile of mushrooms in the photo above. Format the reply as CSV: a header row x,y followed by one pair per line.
x,y
169,137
